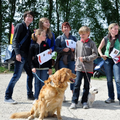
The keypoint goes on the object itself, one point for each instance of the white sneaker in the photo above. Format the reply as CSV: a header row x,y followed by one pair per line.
x,y
85,105
73,106
11,101
34,101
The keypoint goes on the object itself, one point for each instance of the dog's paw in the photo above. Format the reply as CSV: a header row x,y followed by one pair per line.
x,y
54,115
90,105
59,118
29,118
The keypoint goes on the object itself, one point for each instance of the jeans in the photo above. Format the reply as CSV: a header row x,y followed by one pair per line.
x,y
77,85
71,66
17,73
112,69
42,74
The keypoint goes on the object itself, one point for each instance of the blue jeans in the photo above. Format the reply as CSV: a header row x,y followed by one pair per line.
x,y
42,74
112,69
77,85
71,66
17,73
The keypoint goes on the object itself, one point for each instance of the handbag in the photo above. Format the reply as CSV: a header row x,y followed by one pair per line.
x,y
10,53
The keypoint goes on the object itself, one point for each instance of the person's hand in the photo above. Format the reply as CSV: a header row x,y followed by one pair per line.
x,y
66,49
81,59
104,57
18,57
72,49
118,56
33,70
50,71
75,68
50,51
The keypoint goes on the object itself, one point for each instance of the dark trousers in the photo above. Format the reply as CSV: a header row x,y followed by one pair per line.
x,y
77,85
17,73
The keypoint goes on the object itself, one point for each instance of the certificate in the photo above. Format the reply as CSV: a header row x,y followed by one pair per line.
x,y
70,43
44,57
114,54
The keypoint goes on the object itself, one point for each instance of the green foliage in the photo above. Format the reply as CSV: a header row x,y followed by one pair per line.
x,y
97,14
54,56
3,69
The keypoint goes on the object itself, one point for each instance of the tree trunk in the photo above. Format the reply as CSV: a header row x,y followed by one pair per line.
x,y
50,9
57,11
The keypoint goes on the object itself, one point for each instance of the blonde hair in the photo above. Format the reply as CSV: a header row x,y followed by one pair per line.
x,y
41,21
37,32
111,26
84,29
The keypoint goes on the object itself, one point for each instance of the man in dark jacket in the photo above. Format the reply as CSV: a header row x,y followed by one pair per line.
x,y
21,61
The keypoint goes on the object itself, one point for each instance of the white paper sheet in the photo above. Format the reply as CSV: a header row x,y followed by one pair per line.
x,y
114,53
44,57
70,43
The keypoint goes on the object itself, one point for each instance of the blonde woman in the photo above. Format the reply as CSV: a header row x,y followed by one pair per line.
x,y
44,24
112,40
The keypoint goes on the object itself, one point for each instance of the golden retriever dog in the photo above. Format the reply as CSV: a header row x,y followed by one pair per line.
x,y
51,97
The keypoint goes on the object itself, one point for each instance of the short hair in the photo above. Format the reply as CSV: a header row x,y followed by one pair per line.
x,y
66,24
112,25
28,12
84,29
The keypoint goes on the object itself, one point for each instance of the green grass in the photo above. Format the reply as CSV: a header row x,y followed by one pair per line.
x,y
100,78
3,69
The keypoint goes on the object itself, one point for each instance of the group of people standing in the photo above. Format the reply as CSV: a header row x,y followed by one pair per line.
x,y
79,59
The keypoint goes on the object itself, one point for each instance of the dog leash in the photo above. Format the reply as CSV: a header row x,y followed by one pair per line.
x,y
86,74
38,77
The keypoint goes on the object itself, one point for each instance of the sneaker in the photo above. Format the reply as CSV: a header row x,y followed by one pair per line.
x,y
34,101
11,101
73,106
85,105
31,97
109,100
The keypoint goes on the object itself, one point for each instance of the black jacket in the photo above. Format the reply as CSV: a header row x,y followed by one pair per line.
x,y
34,50
19,33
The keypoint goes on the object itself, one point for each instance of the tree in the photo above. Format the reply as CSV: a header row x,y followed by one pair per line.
x,y
96,14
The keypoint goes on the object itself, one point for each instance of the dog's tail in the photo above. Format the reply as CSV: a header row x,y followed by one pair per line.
x,y
20,115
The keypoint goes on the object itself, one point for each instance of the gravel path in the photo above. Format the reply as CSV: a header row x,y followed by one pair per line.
x,y
99,111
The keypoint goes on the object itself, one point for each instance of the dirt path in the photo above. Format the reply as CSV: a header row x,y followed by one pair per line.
x,y
100,110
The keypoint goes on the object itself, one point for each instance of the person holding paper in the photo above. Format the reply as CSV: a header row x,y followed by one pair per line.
x,y
111,42
42,70
65,54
